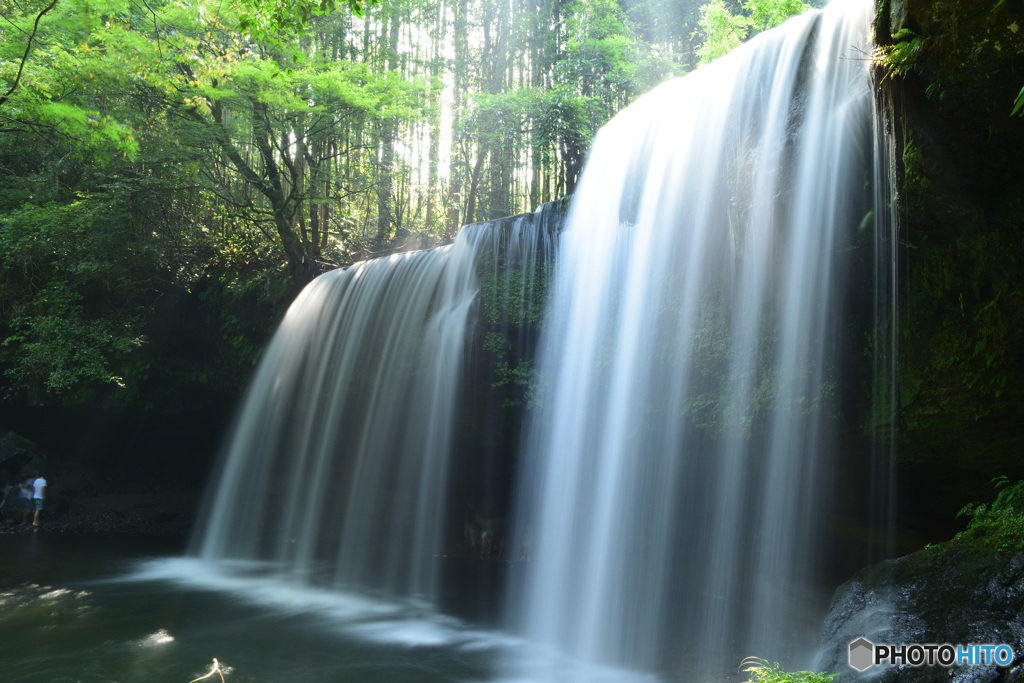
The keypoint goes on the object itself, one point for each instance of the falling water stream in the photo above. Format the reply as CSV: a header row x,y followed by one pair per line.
x,y
337,471
677,478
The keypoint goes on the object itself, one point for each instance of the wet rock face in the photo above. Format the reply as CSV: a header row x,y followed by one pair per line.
x,y
965,33
957,593
955,68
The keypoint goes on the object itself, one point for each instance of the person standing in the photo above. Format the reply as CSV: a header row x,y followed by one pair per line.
x,y
38,496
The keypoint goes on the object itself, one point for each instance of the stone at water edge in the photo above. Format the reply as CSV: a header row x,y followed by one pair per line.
x,y
958,593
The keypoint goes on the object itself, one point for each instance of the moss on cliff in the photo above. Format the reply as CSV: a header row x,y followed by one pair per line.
x,y
957,67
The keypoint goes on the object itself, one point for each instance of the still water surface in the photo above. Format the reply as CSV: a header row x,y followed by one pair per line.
x,y
129,609
132,609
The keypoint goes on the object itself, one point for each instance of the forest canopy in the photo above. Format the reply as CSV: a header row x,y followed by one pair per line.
x,y
174,170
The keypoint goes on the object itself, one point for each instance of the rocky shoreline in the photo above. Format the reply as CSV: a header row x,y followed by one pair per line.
x,y
110,494
165,511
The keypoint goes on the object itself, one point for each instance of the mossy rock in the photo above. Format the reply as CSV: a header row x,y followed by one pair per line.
x,y
960,592
954,68
19,457
953,41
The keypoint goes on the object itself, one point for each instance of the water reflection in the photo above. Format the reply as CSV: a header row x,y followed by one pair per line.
x,y
131,610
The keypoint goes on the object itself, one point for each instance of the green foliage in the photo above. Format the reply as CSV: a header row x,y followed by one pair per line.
x,y
58,348
984,366
919,188
67,265
514,308
723,31
764,14
173,170
122,206
1018,104
521,379
900,57
514,299
603,57
737,392
44,83
601,66
763,671
275,20
1000,523
975,298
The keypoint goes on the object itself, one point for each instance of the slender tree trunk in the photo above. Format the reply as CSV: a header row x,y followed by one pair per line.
x,y
460,39
385,181
437,87
271,184
481,155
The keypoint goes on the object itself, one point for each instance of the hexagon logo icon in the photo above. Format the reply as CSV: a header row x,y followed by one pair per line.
x,y
862,654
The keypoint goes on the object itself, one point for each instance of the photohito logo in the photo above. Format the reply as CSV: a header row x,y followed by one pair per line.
x,y
864,654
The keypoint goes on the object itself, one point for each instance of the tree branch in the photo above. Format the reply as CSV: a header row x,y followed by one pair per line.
x,y
28,48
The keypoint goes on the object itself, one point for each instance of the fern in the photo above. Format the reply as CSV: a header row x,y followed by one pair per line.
x,y
1002,519
763,671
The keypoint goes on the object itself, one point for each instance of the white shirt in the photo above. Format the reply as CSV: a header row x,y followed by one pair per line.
x,y
39,485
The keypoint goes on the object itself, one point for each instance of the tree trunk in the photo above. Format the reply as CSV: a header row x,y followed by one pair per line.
x,y
474,183
385,179
433,156
300,263
460,39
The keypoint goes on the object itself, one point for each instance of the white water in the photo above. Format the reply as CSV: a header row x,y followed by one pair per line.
x,y
681,462
680,458
337,468
337,473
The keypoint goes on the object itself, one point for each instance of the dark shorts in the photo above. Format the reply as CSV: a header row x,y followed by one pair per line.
x,y
39,503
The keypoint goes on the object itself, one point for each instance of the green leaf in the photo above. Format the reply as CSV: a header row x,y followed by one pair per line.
x,y
1018,104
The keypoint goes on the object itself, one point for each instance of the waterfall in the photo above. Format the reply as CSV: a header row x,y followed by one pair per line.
x,y
680,434
677,478
337,471
514,273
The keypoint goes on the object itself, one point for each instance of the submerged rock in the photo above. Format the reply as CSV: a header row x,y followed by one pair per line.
x,y
961,592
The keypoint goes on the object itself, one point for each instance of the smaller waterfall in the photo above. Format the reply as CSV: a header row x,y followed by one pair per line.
x,y
515,271
885,335
338,470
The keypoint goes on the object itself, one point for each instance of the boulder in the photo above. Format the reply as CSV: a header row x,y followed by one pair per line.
x,y
961,592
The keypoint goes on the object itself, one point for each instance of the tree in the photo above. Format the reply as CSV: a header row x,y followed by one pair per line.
x,y
145,152
28,50
723,31
219,157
